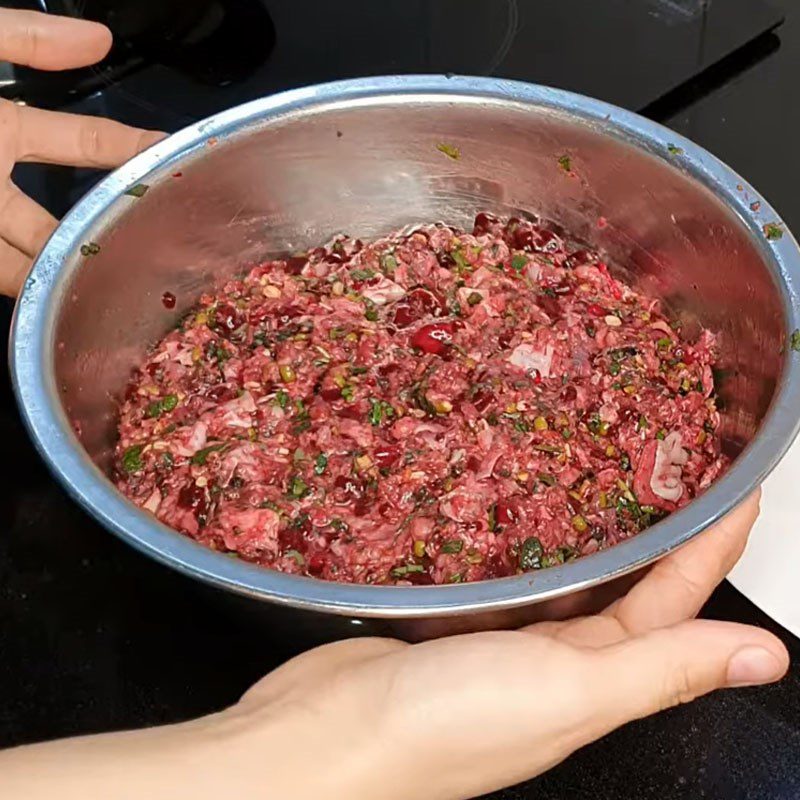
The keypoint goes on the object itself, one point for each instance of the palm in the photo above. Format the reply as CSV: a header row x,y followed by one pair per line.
x,y
475,712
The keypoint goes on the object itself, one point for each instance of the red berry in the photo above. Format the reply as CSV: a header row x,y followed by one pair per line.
x,y
504,514
386,456
434,338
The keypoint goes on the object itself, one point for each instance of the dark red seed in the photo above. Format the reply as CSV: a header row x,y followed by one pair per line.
x,y
504,339
168,300
288,313
569,394
596,310
550,306
316,564
386,456
194,498
523,238
228,318
292,537
482,399
504,514
683,355
418,303
483,223
295,264
419,578
221,392
434,338
348,489
546,241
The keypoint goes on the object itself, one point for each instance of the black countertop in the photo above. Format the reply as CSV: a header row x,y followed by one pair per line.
x,y
95,637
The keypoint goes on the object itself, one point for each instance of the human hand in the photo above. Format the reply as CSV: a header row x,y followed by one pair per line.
x,y
29,134
460,716
377,719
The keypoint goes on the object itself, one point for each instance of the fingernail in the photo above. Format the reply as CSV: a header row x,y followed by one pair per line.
x,y
751,666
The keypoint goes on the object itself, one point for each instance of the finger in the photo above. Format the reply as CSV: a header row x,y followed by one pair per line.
x,y
53,137
14,266
49,42
676,588
675,665
23,222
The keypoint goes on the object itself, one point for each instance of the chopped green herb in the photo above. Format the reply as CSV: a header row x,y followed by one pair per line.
x,y
492,518
371,314
460,259
547,448
162,406
547,480
358,370
452,546
565,162
566,433
167,460
664,342
614,368
519,262
795,341
139,190
201,456
641,423
661,435
336,333
456,577
530,554
388,263
132,459
297,556
320,464
772,230
90,249
399,572
282,398
451,151
674,149
298,487
347,393
361,274
474,298
625,462
379,409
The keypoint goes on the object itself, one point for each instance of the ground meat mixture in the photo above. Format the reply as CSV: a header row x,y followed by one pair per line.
x,y
432,407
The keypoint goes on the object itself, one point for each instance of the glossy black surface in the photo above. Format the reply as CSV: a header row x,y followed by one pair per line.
x,y
95,637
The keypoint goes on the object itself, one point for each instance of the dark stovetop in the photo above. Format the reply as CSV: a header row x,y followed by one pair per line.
x,y
94,636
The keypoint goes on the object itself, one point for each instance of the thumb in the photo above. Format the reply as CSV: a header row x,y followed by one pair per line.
x,y
675,665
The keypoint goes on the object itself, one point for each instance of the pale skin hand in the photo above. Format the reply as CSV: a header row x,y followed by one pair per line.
x,y
30,134
443,720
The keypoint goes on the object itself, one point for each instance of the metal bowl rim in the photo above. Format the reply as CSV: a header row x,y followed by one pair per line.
x,y
33,374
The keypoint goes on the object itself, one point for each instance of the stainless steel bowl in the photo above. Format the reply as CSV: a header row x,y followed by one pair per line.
x,y
288,171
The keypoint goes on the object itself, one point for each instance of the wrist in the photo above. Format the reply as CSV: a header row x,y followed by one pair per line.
x,y
293,752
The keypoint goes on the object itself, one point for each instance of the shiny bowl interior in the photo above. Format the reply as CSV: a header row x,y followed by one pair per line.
x,y
363,157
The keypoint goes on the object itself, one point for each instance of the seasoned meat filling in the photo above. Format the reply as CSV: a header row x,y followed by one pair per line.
x,y
431,407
